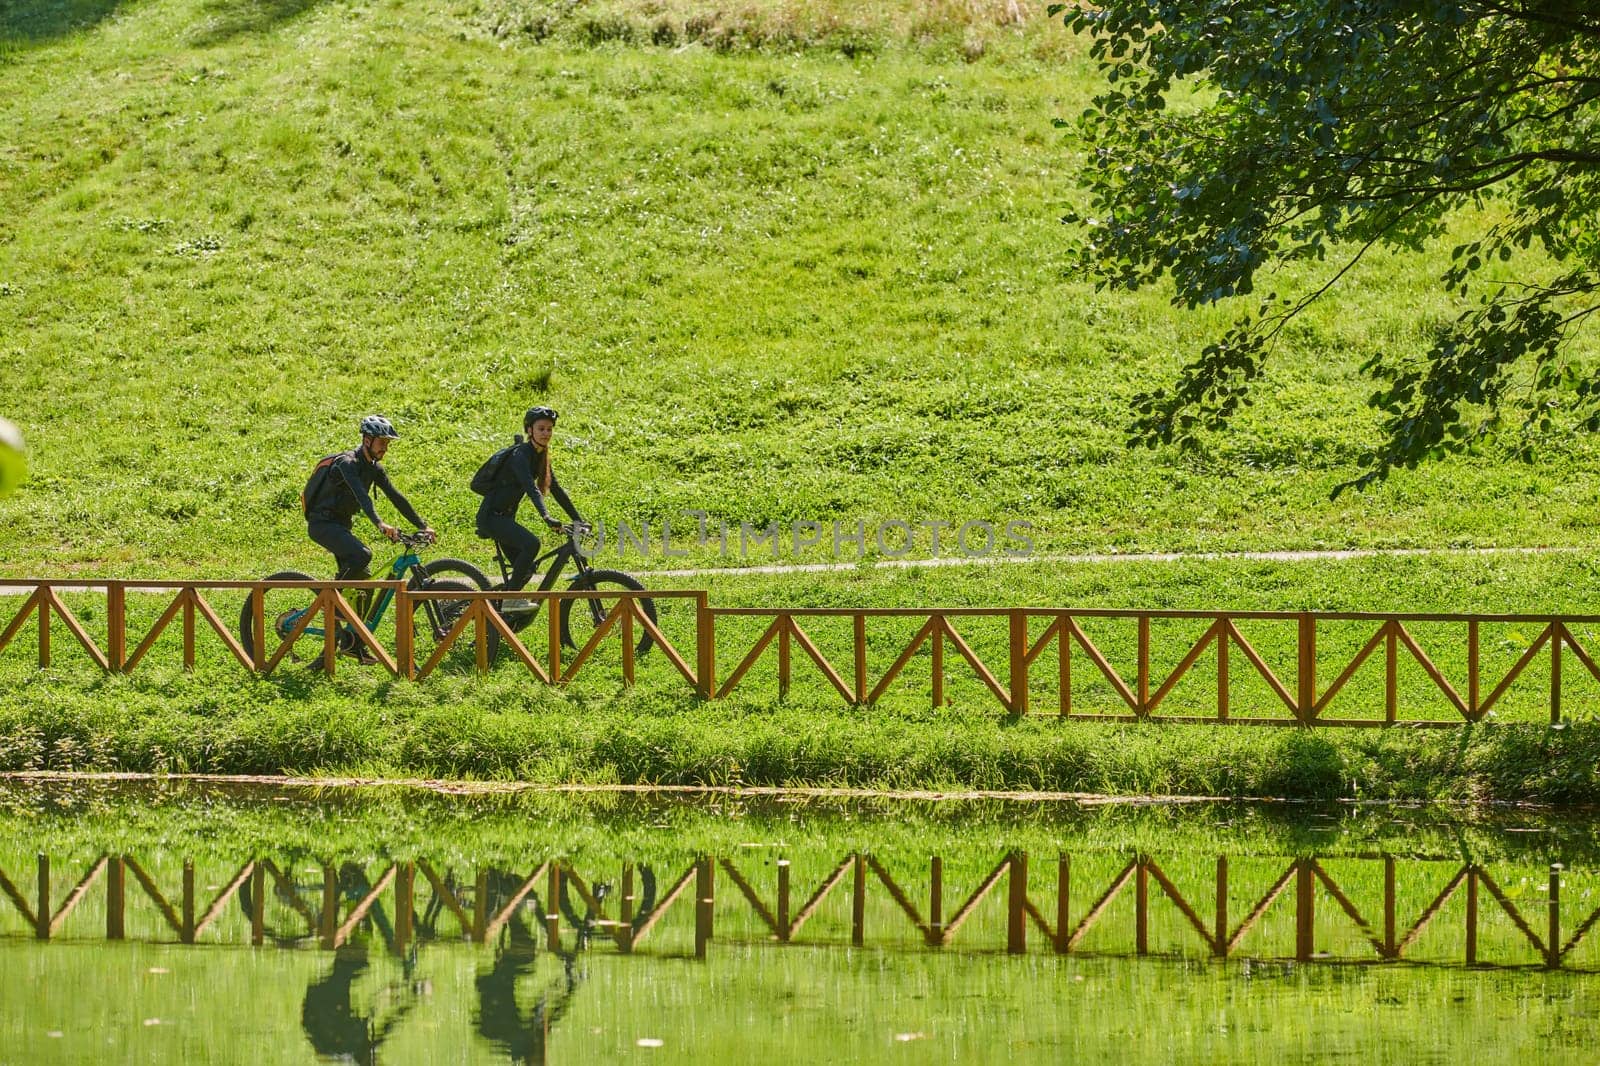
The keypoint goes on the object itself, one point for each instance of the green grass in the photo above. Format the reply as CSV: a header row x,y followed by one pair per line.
x,y
773,282
775,262
508,726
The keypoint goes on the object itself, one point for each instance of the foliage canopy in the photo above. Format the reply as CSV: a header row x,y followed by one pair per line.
x,y
1333,127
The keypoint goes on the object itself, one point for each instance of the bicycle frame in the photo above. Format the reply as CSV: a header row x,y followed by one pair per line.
x,y
407,561
558,556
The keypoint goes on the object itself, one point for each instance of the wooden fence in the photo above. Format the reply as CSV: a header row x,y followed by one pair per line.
x,y
1052,641
332,916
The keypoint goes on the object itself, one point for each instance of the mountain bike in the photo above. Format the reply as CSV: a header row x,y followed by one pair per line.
x,y
431,618
579,617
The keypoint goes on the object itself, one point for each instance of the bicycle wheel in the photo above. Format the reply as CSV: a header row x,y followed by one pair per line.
x,y
456,568
432,620
580,618
284,608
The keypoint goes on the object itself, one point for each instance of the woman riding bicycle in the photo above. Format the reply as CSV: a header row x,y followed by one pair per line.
x,y
522,470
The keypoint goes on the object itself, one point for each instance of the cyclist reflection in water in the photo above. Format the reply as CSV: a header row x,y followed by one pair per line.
x,y
328,1015
499,1019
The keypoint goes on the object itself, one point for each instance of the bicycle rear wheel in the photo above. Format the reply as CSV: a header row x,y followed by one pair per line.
x,y
284,608
581,617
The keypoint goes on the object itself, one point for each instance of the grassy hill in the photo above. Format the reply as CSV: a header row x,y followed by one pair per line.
x,y
774,261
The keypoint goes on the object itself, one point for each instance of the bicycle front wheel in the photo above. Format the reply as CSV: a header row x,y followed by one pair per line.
x,y
581,617
457,569
284,609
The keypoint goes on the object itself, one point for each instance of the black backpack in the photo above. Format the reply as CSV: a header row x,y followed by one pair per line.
x,y
483,481
315,483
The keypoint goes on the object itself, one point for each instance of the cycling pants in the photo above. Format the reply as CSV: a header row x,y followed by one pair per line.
x,y
353,557
518,543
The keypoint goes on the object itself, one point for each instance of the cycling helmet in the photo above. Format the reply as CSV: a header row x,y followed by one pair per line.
x,y
378,426
536,413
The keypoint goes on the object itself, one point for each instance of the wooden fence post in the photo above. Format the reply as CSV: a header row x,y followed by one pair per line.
x,y
1220,944
1390,946
1063,902
1141,907
554,621
116,898
1472,916
1223,691
785,625
405,895
258,618
705,645
1556,671
859,631
41,918
330,641
1305,887
1307,647
552,907
1019,661
783,900
1391,674
330,906
258,903
1473,699
1143,710
936,902
705,900
405,635
629,899
117,624
480,637
44,633
626,605
858,903
1017,904
1553,944
1064,667
187,933
188,629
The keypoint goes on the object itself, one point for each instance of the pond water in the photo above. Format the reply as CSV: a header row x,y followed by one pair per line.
x,y
204,923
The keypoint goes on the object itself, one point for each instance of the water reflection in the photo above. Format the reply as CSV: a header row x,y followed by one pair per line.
x,y
523,1036
417,934
1313,908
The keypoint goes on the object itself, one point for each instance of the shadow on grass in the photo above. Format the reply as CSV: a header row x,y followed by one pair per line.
x,y
26,23
228,19
31,22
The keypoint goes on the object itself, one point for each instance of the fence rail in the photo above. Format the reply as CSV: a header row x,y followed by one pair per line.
x,y
1286,656
329,909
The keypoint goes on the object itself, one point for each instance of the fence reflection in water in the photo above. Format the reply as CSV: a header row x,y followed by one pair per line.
x,y
1075,907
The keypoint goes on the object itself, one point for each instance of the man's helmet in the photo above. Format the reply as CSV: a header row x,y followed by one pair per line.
x,y
378,426
536,413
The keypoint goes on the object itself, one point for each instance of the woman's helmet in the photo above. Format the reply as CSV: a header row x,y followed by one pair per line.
x,y
536,413
378,426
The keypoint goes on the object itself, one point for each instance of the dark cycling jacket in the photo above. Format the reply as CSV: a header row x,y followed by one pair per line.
x,y
347,489
515,480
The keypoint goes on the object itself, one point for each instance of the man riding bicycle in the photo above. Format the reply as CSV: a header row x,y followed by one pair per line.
x,y
340,486
523,470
